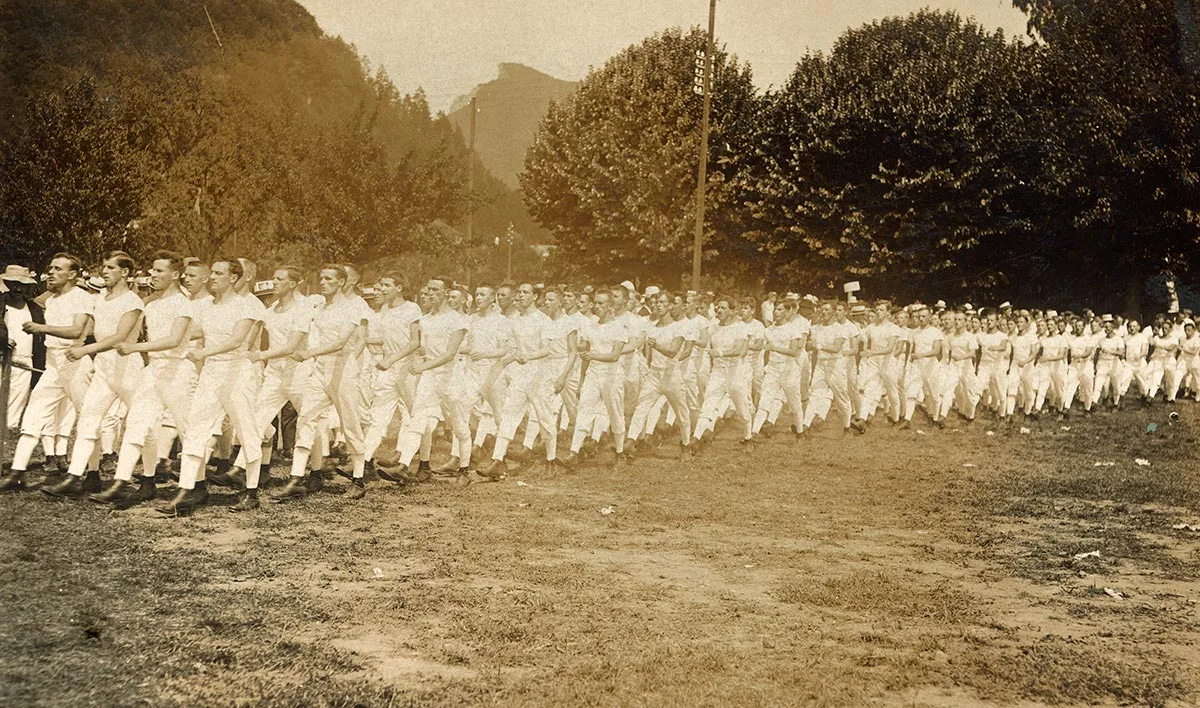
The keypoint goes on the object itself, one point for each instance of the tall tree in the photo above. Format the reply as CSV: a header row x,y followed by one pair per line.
x,y
612,171
1124,151
907,156
74,176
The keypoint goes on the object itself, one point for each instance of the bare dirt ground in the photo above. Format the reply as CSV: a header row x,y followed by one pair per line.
x,y
940,568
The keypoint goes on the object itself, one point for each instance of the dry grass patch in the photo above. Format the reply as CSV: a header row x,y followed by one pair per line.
x,y
1060,673
880,593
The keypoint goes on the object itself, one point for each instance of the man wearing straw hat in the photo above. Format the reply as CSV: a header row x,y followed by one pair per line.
x,y
28,348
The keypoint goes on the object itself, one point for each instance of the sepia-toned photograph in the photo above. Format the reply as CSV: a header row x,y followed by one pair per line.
x,y
375,353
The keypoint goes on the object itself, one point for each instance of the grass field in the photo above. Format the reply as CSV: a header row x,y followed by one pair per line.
x,y
938,568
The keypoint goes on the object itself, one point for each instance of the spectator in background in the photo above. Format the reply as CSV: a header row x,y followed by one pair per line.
x,y
28,350
767,310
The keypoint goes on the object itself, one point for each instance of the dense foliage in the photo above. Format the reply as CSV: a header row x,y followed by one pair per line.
x,y
130,124
923,155
612,172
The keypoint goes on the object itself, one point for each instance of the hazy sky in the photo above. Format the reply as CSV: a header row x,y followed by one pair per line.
x,y
447,47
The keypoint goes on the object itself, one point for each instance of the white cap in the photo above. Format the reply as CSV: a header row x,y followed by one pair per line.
x,y
1005,304
652,290
1106,318
628,285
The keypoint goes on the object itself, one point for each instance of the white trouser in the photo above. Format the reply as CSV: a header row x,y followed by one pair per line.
x,y
1080,380
18,394
599,394
489,379
391,391
665,381
50,411
332,387
781,384
871,384
1133,370
1022,388
531,386
1160,374
115,379
224,388
436,397
829,388
963,389
993,382
283,381
221,390
165,385
726,380
1108,375
558,401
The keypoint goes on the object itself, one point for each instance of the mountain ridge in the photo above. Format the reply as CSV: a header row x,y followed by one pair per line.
x,y
509,108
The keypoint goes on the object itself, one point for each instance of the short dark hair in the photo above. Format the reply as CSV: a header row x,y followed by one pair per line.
x,y
76,264
336,268
235,266
393,276
294,273
174,260
124,260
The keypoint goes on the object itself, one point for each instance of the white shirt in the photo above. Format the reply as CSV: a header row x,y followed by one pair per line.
x,y
962,346
823,337
1164,347
394,325
160,320
61,311
1136,347
782,336
602,338
108,312
726,337
988,340
488,333
635,328
664,335
1023,345
330,320
1054,346
555,333
1080,345
218,320
437,331
525,333
282,324
1111,347
852,332
14,319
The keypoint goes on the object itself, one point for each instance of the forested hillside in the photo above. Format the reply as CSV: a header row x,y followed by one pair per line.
x,y
136,124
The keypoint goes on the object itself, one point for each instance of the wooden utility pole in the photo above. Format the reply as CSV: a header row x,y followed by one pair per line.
x,y
702,173
471,177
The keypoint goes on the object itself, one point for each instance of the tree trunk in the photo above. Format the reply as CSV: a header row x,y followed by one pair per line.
x,y
1134,287
1189,36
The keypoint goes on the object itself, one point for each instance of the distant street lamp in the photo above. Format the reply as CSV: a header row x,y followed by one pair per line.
x,y
510,234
